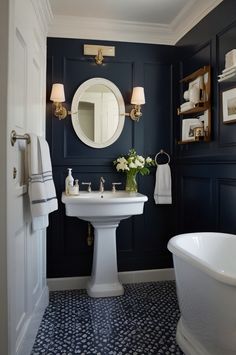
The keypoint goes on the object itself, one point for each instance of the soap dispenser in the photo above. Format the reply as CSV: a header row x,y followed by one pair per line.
x,y
69,181
76,186
74,189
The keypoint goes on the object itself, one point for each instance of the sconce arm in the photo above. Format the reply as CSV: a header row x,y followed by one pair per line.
x,y
60,111
135,113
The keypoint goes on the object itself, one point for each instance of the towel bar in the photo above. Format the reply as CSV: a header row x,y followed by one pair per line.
x,y
162,152
14,136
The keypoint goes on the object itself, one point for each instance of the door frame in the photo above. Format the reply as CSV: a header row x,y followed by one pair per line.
x,y
4,35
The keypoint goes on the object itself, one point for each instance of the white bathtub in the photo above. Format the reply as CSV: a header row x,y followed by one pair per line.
x,y
205,269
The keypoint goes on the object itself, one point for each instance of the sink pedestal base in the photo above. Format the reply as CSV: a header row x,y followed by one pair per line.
x,y
104,280
104,211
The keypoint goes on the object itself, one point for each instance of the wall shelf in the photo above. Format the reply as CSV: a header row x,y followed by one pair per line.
x,y
203,76
194,75
229,78
203,139
200,107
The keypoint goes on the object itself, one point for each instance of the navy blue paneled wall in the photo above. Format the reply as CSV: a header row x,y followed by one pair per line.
x,y
141,240
206,172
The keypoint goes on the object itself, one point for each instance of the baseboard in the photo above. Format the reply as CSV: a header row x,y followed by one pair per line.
x,y
34,321
126,277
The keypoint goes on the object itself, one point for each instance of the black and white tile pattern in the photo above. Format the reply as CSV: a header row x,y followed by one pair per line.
x,y
142,322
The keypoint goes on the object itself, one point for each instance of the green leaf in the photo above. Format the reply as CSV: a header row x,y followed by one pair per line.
x,y
144,171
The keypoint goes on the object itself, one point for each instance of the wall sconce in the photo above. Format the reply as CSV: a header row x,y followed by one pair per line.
x,y
99,57
137,99
99,52
58,96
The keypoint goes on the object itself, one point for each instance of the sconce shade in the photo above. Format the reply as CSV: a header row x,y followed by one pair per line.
x,y
138,97
57,93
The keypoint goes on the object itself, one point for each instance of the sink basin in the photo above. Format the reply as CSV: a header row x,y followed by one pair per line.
x,y
104,211
100,206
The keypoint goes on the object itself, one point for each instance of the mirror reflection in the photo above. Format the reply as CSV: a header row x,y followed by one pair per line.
x,y
98,112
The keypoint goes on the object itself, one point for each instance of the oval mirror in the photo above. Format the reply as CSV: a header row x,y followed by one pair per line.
x,y
98,112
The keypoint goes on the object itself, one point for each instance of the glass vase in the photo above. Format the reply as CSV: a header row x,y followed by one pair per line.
x,y
131,182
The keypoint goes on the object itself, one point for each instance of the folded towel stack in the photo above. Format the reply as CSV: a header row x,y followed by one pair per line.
x,y
227,74
162,192
41,189
230,58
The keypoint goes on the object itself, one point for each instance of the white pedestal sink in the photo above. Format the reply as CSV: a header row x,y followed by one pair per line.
x,y
104,211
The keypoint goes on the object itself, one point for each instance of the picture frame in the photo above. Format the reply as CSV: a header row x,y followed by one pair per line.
x,y
229,106
188,126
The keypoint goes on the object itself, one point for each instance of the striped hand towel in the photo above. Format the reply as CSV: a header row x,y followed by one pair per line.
x,y
41,190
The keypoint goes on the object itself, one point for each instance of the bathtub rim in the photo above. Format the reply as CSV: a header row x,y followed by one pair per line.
x,y
183,254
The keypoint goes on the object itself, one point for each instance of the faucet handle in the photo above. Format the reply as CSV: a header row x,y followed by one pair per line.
x,y
89,185
114,184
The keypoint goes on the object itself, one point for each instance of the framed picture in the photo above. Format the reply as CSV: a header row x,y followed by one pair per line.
x,y
188,126
229,106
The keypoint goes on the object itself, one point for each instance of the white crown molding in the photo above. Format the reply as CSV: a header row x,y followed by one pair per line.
x,y
190,16
136,32
44,14
109,30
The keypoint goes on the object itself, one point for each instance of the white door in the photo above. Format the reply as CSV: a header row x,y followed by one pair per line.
x,y
26,253
3,159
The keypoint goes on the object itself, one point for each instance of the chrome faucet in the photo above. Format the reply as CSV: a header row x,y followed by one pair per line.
x,y
88,184
114,184
101,187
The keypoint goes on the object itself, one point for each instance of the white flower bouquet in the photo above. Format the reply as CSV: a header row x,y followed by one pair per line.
x,y
132,164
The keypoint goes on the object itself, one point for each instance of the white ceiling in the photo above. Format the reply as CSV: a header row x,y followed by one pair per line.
x,y
145,21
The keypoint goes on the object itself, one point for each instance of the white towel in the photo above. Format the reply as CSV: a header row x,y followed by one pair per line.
x,y
41,190
162,192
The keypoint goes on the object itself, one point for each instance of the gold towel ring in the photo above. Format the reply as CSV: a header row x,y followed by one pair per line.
x,y
162,152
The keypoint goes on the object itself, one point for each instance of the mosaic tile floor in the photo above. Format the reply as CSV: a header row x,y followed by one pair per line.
x,y
142,322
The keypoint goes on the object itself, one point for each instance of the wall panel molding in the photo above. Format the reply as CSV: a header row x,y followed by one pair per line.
x,y
225,42
226,204
206,160
196,200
